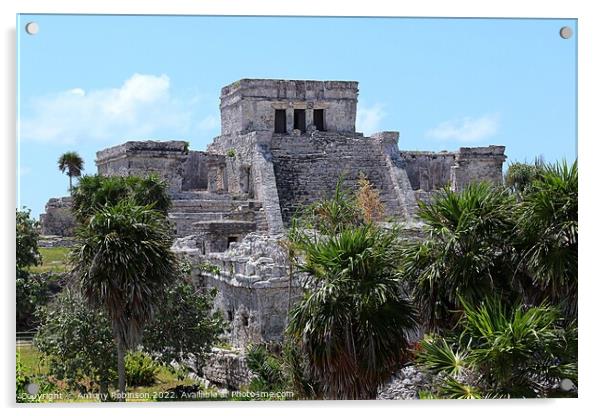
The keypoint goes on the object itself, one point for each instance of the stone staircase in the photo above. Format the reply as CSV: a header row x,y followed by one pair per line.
x,y
193,211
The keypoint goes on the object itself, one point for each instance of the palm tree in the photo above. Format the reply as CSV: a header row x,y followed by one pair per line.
x,y
520,176
73,164
352,325
548,235
123,264
96,191
465,252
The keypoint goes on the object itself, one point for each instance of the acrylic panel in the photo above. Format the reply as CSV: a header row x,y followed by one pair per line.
x,y
292,208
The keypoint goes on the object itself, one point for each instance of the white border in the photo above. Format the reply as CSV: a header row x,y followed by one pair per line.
x,y
590,113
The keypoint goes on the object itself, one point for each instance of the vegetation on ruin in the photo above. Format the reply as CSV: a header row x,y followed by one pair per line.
x,y
72,164
368,201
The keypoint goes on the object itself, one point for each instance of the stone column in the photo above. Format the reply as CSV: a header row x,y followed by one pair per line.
x,y
290,119
309,116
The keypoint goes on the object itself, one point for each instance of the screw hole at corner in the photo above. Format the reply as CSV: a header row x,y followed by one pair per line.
x,y
32,28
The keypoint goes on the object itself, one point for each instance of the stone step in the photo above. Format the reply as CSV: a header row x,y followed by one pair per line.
x,y
202,195
209,205
211,216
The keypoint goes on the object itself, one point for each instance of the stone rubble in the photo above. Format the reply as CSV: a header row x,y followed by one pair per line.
x,y
404,385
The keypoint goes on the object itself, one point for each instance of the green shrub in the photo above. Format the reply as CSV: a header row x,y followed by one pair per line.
x,y
184,328
27,240
231,153
140,369
77,343
32,291
22,380
502,351
267,369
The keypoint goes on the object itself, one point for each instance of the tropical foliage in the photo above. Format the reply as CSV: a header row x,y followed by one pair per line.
x,y
123,265
352,325
96,191
184,328
502,351
547,236
71,163
520,176
27,240
140,369
267,367
466,252
31,289
77,343
519,339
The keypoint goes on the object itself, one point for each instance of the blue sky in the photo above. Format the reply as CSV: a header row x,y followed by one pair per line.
x,y
88,82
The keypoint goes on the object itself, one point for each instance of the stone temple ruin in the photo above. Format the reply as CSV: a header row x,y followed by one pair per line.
x,y
283,145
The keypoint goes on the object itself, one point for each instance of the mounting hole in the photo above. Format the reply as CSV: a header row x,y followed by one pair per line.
x,y
566,32
32,28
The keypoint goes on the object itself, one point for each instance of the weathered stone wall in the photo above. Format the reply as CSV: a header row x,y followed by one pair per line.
x,y
253,286
477,164
307,168
227,368
249,104
250,168
165,159
58,219
170,160
194,175
428,170
55,241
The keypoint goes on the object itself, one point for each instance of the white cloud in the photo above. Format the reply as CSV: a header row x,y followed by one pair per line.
x,y
369,118
466,129
140,108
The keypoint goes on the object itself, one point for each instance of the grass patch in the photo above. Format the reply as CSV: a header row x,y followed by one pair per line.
x,y
31,359
54,259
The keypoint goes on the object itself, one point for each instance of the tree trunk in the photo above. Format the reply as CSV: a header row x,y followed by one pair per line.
x,y
70,185
104,391
121,368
